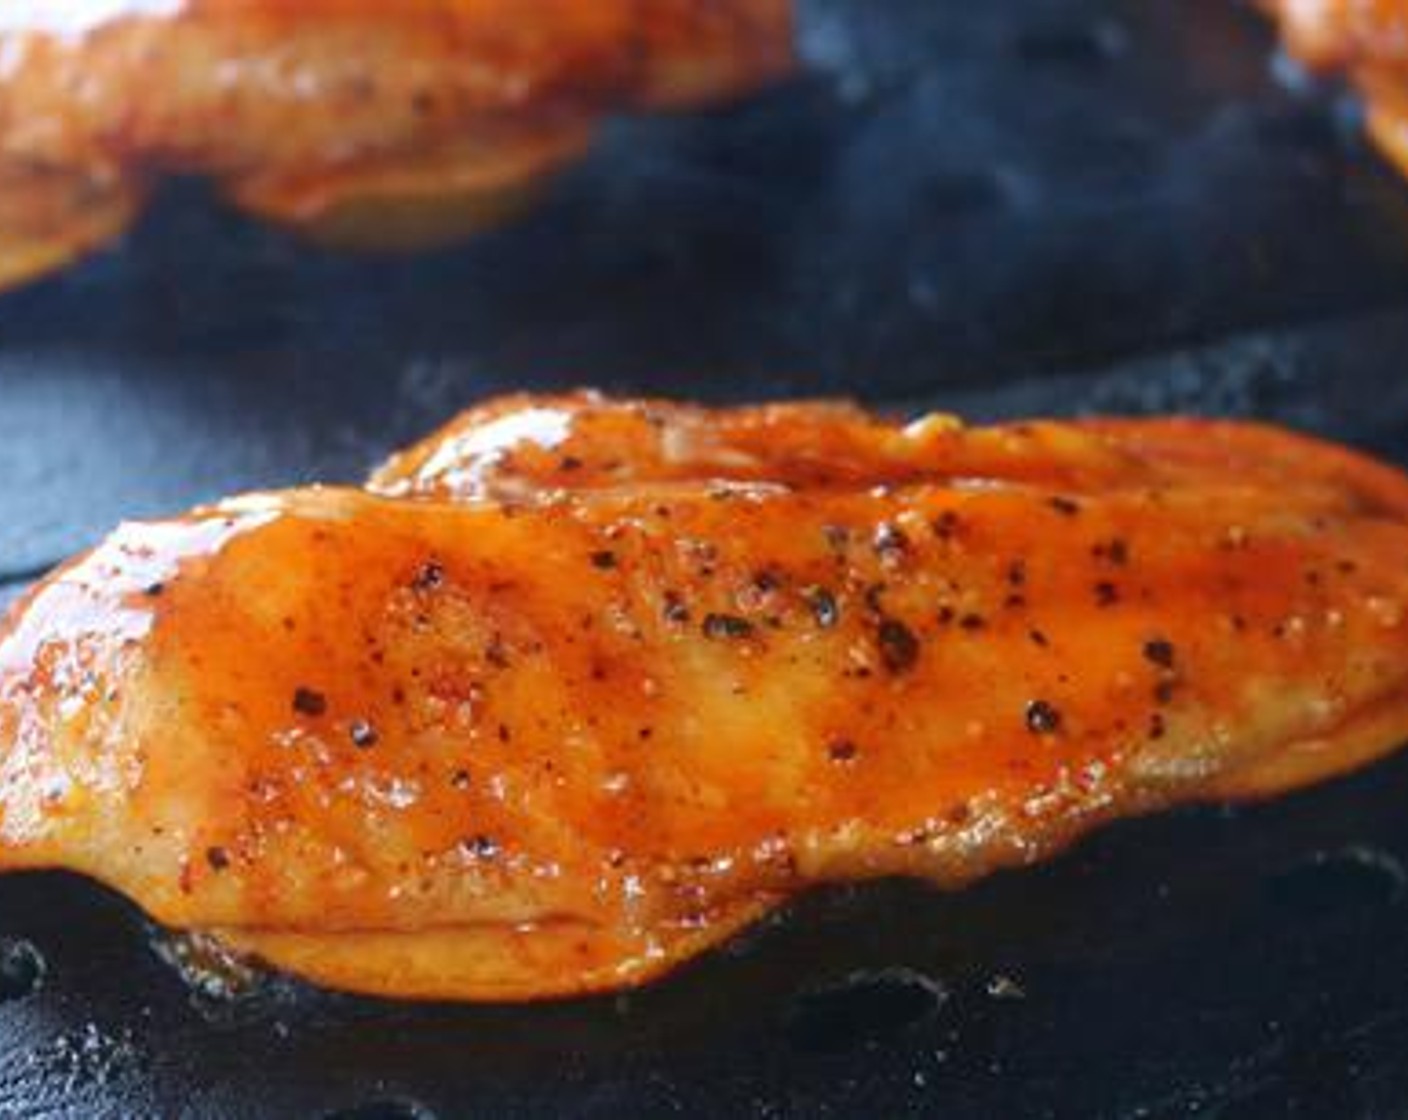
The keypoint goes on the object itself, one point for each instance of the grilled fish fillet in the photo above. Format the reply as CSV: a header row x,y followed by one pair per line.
x,y
390,124
1369,40
578,688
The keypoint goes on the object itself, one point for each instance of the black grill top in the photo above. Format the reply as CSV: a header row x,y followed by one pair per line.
x,y
1000,208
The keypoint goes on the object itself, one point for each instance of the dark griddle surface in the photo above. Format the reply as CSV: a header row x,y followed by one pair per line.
x,y
1001,208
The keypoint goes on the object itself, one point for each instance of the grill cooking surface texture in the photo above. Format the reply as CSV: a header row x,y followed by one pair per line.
x,y
1000,209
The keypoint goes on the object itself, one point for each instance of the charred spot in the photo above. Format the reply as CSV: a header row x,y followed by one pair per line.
x,y
362,734
603,559
842,750
430,576
1160,652
946,616
973,622
1066,507
899,648
309,702
217,858
824,607
727,627
1039,638
1107,594
1017,573
1043,718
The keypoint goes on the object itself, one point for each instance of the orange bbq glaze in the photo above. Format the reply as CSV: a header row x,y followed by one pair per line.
x,y
578,687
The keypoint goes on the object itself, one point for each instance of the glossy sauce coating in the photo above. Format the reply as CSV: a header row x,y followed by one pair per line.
x,y
319,112
590,684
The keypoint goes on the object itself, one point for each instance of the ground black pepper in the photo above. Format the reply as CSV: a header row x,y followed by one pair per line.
x,y
1160,652
363,734
308,702
1043,718
727,627
899,648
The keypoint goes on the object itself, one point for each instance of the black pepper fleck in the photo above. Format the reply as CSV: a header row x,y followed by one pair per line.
x,y
1106,593
842,750
824,607
604,559
766,582
727,627
154,590
480,847
675,610
891,542
307,702
218,858
495,653
363,734
1160,652
1115,551
899,648
1043,718
946,525
430,576
1066,507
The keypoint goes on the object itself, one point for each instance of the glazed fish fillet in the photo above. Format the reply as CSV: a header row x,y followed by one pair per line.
x,y
578,688
378,124
1368,39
